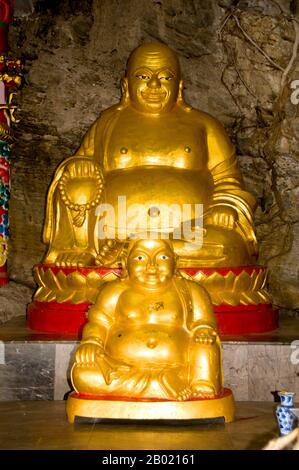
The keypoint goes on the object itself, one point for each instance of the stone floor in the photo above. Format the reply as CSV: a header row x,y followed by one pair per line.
x,y
42,425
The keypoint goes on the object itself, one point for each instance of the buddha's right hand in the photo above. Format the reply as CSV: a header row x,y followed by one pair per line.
x,y
224,216
205,335
81,188
93,355
89,353
81,168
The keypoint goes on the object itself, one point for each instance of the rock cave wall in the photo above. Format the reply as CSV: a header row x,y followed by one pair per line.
x,y
239,61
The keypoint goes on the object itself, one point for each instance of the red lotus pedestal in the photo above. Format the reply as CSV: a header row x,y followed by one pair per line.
x,y
241,302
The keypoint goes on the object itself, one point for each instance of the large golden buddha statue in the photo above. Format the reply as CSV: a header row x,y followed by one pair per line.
x,y
151,337
153,149
177,164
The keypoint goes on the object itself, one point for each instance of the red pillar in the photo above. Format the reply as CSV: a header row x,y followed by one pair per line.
x,y
10,81
6,14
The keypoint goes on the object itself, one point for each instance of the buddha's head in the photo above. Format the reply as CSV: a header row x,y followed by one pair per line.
x,y
151,263
153,78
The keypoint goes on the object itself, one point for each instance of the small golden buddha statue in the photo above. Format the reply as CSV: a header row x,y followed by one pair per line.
x,y
151,335
151,148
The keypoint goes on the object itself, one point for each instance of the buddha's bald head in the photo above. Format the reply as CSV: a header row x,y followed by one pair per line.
x,y
156,55
153,78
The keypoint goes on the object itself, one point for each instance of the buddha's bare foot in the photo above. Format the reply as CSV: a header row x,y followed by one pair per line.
x,y
110,368
74,259
175,386
110,252
202,389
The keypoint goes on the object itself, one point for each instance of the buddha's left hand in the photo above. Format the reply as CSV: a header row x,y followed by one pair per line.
x,y
224,217
205,335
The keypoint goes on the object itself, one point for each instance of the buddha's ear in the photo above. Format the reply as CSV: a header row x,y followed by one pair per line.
x,y
124,271
181,91
176,260
180,99
124,91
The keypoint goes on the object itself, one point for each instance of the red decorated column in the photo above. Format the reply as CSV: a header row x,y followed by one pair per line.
x,y
10,81
6,14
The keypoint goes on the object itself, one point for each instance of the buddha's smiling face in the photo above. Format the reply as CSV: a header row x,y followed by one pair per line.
x,y
151,263
153,76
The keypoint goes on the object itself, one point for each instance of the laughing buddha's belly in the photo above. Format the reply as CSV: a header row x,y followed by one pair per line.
x,y
148,345
160,192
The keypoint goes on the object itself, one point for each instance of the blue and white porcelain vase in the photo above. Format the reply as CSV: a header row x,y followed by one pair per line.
x,y
284,415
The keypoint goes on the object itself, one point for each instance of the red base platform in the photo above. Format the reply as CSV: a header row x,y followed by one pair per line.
x,y
52,317
246,319
68,318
